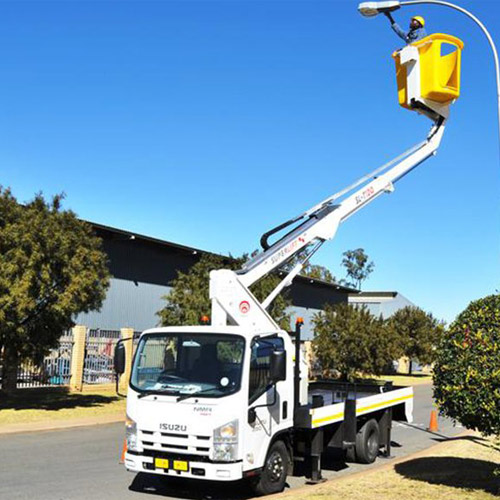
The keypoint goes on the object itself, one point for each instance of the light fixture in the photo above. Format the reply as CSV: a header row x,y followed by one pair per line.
x,y
371,9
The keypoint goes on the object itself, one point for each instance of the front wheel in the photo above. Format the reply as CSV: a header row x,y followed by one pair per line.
x,y
273,476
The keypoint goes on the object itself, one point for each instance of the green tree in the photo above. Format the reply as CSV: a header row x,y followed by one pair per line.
x,y
418,334
351,340
318,272
467,369
357,266
51,269
189,298
309,270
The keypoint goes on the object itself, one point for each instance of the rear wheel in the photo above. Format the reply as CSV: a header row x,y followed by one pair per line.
x,y
367,442
273,476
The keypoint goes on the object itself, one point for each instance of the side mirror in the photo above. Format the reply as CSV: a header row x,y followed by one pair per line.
x,y
278,366
119,361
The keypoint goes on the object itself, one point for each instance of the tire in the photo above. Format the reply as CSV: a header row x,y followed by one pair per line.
x,y
272,479
367,442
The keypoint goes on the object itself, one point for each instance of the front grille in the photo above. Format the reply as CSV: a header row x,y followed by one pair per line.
x,y
198,446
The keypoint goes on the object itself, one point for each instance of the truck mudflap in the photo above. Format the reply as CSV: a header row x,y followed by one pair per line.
x,y
313,418
195,470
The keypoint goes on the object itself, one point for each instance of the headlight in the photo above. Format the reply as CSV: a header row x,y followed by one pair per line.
x,y
131,435
226,442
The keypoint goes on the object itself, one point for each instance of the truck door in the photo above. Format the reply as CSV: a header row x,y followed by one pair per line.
x,y
265,401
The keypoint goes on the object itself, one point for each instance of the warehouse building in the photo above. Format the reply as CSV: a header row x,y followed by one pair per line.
x,y
383,304
143,268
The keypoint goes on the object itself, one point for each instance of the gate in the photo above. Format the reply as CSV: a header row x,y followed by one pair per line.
x,y
99,350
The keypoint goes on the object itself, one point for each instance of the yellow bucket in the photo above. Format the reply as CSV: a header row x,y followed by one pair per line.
x,y
439,72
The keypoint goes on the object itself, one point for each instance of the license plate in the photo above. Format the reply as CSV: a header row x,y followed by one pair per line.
x,y
181,465
162,463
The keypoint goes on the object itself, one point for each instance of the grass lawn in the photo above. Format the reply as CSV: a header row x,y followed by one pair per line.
x,y
40,405
459,469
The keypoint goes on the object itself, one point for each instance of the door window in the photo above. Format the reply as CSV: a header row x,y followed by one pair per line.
x,y
260,364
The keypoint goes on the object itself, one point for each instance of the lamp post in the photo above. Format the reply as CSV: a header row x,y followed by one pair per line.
x,y
370,9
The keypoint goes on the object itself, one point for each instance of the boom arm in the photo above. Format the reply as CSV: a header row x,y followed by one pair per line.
x,y
323,220
232,301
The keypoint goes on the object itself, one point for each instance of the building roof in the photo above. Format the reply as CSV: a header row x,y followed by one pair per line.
x,y
122,233
376,295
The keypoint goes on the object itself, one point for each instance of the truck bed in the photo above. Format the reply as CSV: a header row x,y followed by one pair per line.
x,y
326,403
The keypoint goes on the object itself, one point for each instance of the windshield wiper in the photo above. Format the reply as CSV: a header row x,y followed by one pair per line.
x,y
191,394
157,391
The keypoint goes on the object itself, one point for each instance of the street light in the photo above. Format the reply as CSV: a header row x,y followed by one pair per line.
x,y
370,9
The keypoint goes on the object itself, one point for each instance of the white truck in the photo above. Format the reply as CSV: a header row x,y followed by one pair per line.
x,y
232,399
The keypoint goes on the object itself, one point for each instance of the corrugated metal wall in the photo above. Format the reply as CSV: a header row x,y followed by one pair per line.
x,y
142,270
127,304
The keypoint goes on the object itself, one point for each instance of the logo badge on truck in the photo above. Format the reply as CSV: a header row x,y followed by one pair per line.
x,y
173,427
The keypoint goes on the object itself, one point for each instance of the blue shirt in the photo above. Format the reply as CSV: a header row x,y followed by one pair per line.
x,y
412,36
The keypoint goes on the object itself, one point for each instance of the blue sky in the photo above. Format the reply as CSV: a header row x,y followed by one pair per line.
x,y
208,122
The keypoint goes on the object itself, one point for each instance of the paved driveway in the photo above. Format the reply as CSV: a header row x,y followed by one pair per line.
x,y
82,463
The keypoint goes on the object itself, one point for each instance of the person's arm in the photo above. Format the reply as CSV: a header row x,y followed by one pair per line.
x,y
389,16
395,26
397,29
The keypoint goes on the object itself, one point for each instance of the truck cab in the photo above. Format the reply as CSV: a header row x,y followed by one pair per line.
x,y
206,402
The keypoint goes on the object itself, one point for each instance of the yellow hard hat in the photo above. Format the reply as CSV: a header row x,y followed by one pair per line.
x,y
420,19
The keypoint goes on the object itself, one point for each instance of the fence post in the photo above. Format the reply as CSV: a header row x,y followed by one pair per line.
x,y
127,333
78,357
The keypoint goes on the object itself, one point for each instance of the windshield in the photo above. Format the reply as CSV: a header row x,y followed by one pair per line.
x,y
188,363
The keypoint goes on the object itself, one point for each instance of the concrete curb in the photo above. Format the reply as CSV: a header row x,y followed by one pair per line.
x,y
311,489
55,425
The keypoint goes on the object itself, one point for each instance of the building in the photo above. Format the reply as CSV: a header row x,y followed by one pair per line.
x,y
143,268
381,303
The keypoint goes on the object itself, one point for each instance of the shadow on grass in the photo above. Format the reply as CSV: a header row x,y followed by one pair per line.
x,y
186,489
52,399
452,471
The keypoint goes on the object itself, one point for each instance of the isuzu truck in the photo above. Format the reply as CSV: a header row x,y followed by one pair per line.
x,y
232,399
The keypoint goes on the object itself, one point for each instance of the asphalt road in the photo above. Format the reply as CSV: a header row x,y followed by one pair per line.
x,y
82,463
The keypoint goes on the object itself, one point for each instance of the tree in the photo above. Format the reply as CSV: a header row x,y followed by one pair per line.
x,y
417,332
51,268
189,299
357,267
318,272
314,271
466,373
350,340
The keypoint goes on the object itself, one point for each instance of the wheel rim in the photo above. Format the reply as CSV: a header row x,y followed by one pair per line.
x,y
373,444
275,467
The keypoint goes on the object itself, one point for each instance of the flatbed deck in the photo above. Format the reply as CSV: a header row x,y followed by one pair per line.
x,y
327,400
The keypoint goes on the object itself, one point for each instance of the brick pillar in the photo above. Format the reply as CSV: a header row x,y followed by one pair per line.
x,y
127,333
78,357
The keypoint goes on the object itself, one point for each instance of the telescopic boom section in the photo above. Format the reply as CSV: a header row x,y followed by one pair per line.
x,y
428,81
321,224
233,303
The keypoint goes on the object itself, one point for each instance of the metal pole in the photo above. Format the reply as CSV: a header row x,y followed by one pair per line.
x,y
296,369
485,31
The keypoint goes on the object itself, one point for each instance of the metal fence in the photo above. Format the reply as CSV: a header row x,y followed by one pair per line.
x,y
55,368
99,350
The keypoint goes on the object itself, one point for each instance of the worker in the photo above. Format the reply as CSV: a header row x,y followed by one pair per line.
x,y
416,32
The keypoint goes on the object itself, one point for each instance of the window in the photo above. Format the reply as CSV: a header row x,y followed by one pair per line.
x,y
260,364
188,363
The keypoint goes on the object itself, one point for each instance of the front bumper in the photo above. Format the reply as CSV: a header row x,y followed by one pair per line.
x,y
197,470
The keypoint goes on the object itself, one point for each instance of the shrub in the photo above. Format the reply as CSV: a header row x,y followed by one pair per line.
x,y
467,369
